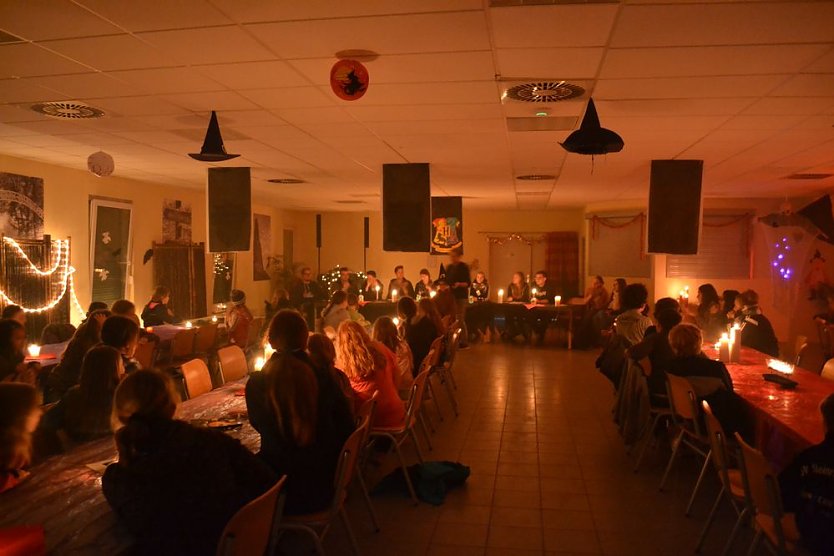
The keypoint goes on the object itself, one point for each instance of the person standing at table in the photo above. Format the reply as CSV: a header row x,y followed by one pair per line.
x,y
807,488
400,284
371,289
424,285
304,294
756,331
238,319
156,312
345,282
459,278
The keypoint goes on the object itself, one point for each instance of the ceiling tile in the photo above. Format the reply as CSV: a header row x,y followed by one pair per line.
x,y
789,105
686,87
807,85
26,90
211,45
36,20
208,101
27,60
139,16
671,107
396,34
114,52
543,26
86,85
135,106
549,63
254,75
475,92
425,112
167,80
314,115
257,10
294,97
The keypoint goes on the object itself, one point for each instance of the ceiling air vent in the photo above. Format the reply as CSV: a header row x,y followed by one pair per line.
x,y
67,110
808,176
536,177
544,91
286,181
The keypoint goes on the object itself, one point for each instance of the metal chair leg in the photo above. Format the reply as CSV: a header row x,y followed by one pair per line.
x,y
710,519
452,399
736,528
677,447
698,484
434,398
755,544
405,470
646,442
364,488
349,530
416,443
452,377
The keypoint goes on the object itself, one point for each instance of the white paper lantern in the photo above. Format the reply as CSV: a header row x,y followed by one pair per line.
x,y
100,164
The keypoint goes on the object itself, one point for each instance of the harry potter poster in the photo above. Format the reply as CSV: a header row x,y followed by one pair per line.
x,y
447,224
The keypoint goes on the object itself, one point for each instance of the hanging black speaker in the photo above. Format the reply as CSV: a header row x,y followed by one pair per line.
x,y
367,232
675,206
318,231
406,207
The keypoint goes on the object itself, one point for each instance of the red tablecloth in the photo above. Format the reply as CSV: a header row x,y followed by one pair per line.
x,y
787,421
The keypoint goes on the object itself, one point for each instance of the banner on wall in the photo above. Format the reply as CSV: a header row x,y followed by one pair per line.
x,y
446,224
176,221
262,252
21,206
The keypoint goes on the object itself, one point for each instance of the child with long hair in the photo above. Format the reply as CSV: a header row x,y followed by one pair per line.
x,y
65,375
385,332
19,416
323,355
157,312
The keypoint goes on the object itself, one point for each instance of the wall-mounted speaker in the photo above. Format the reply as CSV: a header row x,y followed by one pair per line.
x,y
367,232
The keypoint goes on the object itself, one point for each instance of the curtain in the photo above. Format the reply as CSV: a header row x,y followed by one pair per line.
x,y
562,259
182,268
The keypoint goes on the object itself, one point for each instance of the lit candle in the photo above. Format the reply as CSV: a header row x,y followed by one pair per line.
x,y
259,363
377,291
557,300
214,318
34,350
724,348
268,351
432,294
188,324
735,344
396,321
393,295
149,329
535,291
780,366
500,296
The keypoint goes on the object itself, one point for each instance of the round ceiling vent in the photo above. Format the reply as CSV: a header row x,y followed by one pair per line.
x,y
545,91
286,181
536,177
67,110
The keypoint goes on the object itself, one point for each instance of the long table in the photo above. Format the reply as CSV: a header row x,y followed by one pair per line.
x,y
787,421
64,495
488,310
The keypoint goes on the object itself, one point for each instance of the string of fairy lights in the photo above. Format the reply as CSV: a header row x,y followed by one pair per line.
x,y
61,248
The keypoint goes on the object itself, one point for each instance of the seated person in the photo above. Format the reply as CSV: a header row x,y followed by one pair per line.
x,y
400,284
707,313
345,282
615,303
479,289
13,367
156,312
336,311
15,313
661,305
728,304
19,415
175,486
632,323
66,373
85,410
124,308
807,488
710,379
371,289
385,332
542,293
596,318
756,331
353,311
122,334
323,356
238,319
306,290
280,300
95,306
656,348
424,286
57,333
518,291
418,331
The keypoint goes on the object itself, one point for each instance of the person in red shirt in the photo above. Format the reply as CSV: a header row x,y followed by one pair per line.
x,y
238,319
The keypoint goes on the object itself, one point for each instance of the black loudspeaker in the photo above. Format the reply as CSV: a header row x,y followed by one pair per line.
x,y
406,207
318,230
229,209
367,232
675,206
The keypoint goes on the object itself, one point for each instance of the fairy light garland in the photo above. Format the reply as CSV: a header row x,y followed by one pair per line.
x,y
66,281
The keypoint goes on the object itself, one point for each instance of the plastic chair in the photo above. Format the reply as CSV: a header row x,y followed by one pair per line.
x,y
399,435
205,339
366,413
196,376
146,352
761,487
317,525
233,364
683,404
732,484
828,370
656,414
182,344
250,531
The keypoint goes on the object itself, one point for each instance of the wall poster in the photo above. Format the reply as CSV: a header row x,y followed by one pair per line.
x,y
21,206
446,224
262,252
176,221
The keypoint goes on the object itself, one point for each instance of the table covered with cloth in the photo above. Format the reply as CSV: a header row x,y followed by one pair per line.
x,y
488,311
64,495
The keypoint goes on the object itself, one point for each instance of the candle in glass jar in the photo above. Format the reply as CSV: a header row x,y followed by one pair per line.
x,y
557,300
188,324
34,350
500,296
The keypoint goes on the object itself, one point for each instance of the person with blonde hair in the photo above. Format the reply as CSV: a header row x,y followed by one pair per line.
x,y
370,367
19,415
175,486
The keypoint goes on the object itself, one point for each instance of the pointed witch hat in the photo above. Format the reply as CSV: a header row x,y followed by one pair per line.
x,y
213,149
591,138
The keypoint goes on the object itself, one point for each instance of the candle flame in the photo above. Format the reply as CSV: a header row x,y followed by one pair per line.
x,y
780,366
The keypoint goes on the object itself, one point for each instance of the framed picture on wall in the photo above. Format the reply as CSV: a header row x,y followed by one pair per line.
x,y
111,244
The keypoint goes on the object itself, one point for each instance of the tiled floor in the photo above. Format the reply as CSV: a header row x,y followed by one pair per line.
x,y
549,472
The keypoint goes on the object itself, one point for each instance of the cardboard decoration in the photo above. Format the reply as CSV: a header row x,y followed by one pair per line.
x,y
675,206
229,209
820,214
349,79
446,224
591,138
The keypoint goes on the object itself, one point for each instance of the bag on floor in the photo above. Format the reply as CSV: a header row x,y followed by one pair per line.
x,y
431,480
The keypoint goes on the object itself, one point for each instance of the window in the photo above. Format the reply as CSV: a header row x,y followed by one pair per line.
x,y
723,252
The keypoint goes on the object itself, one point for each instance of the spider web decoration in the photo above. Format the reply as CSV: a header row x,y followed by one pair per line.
x,y
788,250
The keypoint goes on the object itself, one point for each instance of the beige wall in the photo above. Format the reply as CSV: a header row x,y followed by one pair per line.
x,y
66,205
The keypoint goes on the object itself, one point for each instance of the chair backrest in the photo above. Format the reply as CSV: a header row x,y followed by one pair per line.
x,y
197,378
348,458
452,347
718,445
800,354
182,344
366,413
761,486
250,529
232,363
415,400
682,399
828,370
255,328
205,338
146,352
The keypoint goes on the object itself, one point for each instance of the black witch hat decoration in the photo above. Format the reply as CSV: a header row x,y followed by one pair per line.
x,y
591,138
213,149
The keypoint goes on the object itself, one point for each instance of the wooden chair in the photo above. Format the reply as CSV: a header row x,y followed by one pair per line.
x,y
398,435
732,484
828,370
182,345
800,347
317,525
683,403
233,364
146,352
250,531
196,377
205,340
761,487
366,414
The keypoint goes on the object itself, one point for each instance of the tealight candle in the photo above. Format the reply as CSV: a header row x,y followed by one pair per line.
x,y
259,363
500,296
214,318
34,350
432,294
394,295
557,300
396,321
188,324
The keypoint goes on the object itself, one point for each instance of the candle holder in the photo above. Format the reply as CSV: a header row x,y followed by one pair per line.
x,y
34,350
500,296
